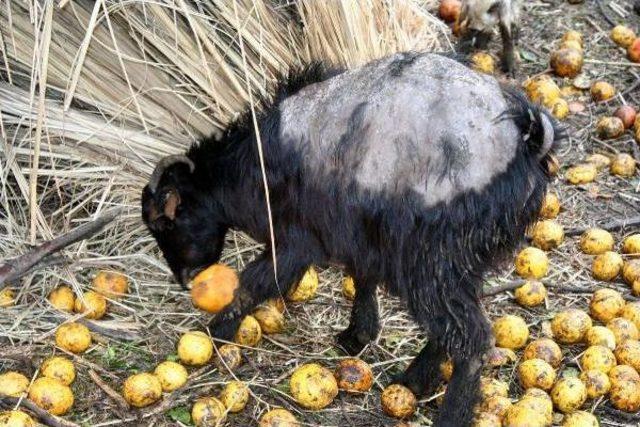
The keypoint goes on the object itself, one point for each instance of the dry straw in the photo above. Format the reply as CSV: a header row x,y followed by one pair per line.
x,y
93,93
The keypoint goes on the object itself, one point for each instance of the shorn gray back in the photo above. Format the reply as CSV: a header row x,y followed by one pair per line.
x,y
408,122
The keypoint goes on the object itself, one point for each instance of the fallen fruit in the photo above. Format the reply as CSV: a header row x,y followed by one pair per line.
x,y
570,326
623,165
59,368
354,375
73,337
627,114
271,321
597,383
596,241
606,266
111,284
235,396
531,294
610,127
580,419
623,329
13,383
625,395
566,62
214,288
249,332
631,244
171,375
483,62
510,332
545,349
51,395
142,389
16,419
606,304
531,263
398,401
622,36
602,91
91,303
600,161
536,373
195,348
278,418
7,297
62,298
306,288
598,358
550,206
208,412
628,353
229,357
599,335
581,174
547,234
568,394
313,386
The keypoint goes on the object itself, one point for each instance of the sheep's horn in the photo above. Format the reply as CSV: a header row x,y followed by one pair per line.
x,y
164,163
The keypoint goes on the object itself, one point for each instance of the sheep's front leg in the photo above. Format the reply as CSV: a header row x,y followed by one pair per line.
x,y
365,323
257,284
509,35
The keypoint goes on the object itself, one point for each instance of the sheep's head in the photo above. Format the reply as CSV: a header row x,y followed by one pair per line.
x,y
478,18
185,223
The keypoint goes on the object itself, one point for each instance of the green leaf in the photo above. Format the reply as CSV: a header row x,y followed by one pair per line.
x,y
173,358
180,414
528,55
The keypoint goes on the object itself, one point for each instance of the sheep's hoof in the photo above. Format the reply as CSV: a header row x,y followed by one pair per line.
x,y
223,329
351,342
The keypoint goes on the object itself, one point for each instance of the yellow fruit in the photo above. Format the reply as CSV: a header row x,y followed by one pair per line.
x,y
73,337
631,312
214,288
623,373
560,109
547,234
531,294
623,165
622,36
545,349
208,412
625,395
596,382
7,297
550,206
497,405
599,335
497,356
485,419
581,174
398,401
354,375
633,51
13,383
580,419
306,288
602,91
51,395
111,284
623,329
195,348
235,396
16,419
249,332
609,127
570,326
532,263
141,390
62,298
571,44
92,303
570,91
567,62
229,357
536,373
59,368
490,387
542,91
270,319
631,244
313,386
631,271
568,394
510,332
538,393
278,418
572,35
600,161
348,288
526,413
277,303
598,358
596,241
635,288
606,266
171,375
628,353
606,304
483,62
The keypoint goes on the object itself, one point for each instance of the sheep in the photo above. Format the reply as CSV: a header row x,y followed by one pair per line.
x,y
478,18
412,171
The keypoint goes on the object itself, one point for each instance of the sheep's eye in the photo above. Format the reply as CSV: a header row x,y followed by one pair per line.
x,y
493,10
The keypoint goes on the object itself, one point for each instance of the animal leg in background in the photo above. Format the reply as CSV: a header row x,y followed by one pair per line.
x,y
364,325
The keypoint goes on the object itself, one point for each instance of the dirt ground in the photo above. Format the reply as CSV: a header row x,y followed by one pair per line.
x,y
145,326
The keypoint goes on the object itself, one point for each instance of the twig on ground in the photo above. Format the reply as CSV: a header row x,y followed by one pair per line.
x,y
614,225
17,267
168,401
605,15
43,416
108,390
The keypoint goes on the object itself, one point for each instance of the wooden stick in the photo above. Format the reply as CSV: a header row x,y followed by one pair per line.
x,y
494,290
108,390
43,416
614,225
17,267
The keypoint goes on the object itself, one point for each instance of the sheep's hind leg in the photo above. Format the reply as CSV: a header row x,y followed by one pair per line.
x,y
365,323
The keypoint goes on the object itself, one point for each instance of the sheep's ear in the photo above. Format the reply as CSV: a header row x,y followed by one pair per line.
x,y
171,202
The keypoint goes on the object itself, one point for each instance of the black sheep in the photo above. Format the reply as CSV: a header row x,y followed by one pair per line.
x,y
412,171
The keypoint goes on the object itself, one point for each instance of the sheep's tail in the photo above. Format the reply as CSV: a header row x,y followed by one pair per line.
x,y
540,131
